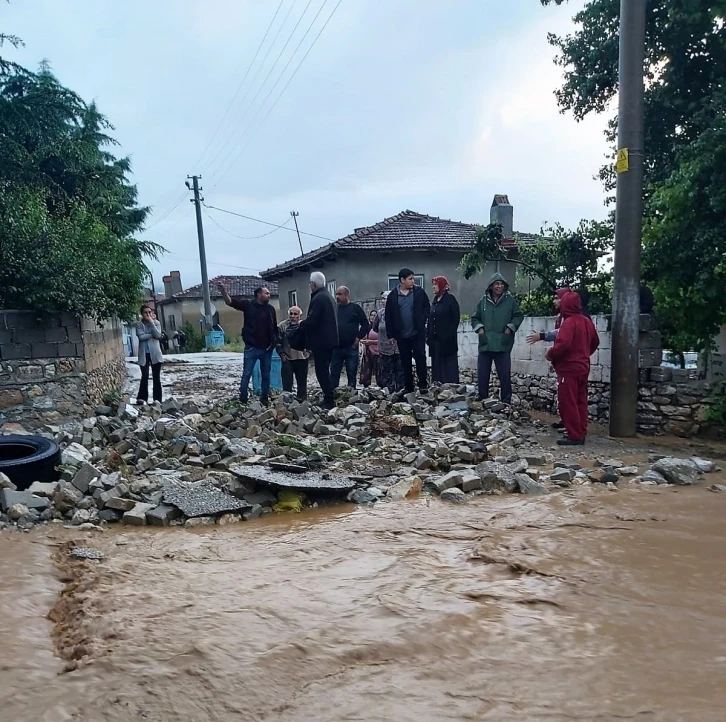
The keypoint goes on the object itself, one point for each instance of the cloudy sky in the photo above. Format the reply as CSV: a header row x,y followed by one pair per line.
x,y
428,105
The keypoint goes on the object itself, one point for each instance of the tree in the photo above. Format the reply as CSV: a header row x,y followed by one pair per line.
x,y
558,258
68,213
685,71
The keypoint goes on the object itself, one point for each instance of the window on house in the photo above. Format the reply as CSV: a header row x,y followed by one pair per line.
x,y
393,281
172,322
291,299
332,287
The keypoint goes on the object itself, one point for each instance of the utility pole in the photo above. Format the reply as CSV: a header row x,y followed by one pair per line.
x,y
628,221
294,215
197,200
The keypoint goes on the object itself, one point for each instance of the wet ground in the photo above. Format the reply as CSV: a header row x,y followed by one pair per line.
x,y
584,605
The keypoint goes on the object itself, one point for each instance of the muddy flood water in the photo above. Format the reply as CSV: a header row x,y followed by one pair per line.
x,y
584,605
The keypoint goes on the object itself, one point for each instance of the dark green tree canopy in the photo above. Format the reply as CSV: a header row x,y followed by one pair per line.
x,y
685,75
68,213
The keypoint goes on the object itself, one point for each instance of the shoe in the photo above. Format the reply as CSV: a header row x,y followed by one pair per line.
x,y
327,405
243,400
265,401
139,402
558,425
423,390
567,441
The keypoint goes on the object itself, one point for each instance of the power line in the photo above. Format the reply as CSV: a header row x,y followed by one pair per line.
x,y
267,77
239,87
267,223
211,263
272,107
252,83
168,213
242,238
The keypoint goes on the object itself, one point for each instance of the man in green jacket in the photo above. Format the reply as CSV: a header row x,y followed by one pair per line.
x,y
496,320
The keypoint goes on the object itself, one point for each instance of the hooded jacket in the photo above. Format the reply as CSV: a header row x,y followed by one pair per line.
x,y
495,317
576,341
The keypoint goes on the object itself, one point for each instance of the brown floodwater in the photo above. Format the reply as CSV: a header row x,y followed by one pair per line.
x,y
584,605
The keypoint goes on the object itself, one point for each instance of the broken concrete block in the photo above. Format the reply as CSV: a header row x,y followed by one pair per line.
x,y
449,481
454,496
529,486
137,515
75,455
162,515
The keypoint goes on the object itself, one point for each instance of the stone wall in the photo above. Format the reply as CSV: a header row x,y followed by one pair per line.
x,y
56,367
670,401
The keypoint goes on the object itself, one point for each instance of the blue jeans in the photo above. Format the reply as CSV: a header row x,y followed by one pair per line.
x,y
349,357
252,356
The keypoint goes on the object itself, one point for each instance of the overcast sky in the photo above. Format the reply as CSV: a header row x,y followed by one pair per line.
x,y
428,105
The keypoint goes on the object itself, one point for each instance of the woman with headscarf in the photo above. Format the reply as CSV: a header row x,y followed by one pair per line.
x,y
442,331
369,364
390,370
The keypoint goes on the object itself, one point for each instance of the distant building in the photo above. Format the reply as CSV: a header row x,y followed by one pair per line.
x,y
185,306
368,260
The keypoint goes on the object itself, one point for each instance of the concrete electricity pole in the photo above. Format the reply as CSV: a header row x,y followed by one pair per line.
x,y
294,215
197,200
628,221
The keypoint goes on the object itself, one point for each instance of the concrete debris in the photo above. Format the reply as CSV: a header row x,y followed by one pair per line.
x,y
5,483
201,498
311,480
454,496
682,472
86,553
527,485
189,464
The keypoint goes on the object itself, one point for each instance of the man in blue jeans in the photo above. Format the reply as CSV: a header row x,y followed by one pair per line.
x,y
259,334
353,325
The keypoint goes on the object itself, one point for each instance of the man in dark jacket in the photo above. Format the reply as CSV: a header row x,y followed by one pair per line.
x,y
352,327
321,334
260,336
407,311
496,320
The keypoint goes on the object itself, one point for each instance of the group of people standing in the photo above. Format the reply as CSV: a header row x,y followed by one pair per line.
x,y
394,342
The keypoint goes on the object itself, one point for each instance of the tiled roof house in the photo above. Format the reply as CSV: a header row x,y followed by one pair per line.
x,y
369,259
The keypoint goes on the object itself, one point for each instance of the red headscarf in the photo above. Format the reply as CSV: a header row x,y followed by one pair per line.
x,y
442,285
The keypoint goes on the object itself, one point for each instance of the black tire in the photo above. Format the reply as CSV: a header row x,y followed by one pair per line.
x,y
25,459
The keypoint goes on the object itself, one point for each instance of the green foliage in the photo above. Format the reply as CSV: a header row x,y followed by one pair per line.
x,y
684,222
67,211
558,258
716,413
194,340
233,344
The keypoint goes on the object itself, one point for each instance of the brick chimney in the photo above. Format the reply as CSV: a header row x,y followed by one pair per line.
x,y
502,212
172,284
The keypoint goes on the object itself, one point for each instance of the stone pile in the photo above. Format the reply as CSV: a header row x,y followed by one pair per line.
x,y
191,464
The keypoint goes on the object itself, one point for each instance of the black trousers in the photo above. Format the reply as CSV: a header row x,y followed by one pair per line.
x,y
296,369
322,358
413,350
503,363
143,394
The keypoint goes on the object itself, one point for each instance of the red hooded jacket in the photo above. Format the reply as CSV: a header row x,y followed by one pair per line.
x,y
560,293
577,339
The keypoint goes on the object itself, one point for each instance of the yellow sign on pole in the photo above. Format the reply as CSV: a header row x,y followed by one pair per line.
x,y
622,164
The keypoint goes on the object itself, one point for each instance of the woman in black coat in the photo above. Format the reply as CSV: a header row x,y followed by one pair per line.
x,y
441,335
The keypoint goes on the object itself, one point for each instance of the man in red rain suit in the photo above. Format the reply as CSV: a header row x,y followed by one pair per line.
x,y
576,341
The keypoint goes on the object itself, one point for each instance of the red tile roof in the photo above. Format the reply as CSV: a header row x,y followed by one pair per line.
x,y
406,231
236,286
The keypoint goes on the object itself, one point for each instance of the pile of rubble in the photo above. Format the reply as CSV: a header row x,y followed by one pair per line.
x,y
197,464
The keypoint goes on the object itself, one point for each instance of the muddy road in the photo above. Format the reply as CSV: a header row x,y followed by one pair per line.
x,y
583,605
